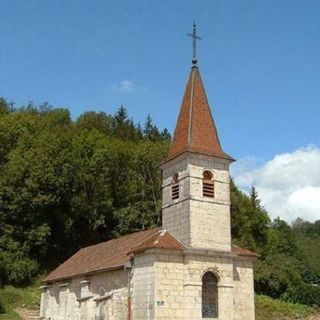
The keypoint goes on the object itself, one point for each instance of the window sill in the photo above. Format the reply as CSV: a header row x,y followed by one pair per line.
x,y
105,297
85,298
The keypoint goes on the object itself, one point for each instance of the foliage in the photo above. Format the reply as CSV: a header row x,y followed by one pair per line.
x,y
289,265
268,308
77,182
308,239
304,293
2,308
249,220
94,178
13,297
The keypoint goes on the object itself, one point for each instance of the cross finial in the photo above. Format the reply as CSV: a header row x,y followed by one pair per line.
x,y
194,37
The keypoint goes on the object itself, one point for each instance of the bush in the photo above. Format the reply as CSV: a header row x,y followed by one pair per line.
x,y
305,293
276,274
19,269
2,309
268,308
3,274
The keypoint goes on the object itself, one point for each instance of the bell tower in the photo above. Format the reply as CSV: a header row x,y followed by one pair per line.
x,y
196,182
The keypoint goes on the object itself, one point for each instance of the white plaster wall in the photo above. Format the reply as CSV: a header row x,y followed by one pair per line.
x,y
62,303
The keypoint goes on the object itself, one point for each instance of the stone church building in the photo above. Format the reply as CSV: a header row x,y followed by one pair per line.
x,y
187,269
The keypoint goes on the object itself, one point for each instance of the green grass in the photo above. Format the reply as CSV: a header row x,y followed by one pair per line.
x,y
13,298
268,308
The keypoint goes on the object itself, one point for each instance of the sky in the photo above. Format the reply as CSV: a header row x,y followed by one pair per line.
x,y
259,60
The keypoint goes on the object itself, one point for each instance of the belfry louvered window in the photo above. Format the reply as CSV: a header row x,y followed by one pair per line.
x,y
208,184
175,187
209,296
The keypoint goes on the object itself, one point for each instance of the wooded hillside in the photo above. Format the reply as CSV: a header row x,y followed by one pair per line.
x,y
65,184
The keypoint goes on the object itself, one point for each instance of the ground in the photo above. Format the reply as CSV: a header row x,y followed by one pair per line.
x,y
20,303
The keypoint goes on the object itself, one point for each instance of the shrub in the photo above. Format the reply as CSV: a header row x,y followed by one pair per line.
x,y
19,269
268,308
2,309
305,293
3,273
275,274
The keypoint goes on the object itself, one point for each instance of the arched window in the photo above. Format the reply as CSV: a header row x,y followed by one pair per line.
x,y
209,296
207,184
175,187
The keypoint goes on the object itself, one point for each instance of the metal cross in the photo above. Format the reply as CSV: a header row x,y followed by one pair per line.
x,y
194,37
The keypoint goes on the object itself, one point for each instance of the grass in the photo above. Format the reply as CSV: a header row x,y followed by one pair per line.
x,y
13,298
268,308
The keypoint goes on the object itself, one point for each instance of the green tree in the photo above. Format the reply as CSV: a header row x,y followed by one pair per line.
x,y
249,220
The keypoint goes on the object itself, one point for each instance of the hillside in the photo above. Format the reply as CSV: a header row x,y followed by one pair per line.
x,y
94,178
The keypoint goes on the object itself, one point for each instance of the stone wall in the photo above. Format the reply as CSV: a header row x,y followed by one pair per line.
x,y
102,296
198,221
178,285
243,289
169,290
176,213
143,287
165,285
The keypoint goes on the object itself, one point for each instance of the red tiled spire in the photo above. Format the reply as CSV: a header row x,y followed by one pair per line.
x,y
195,130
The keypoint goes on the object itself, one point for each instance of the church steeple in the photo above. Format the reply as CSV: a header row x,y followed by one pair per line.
x,y
196,184
195,130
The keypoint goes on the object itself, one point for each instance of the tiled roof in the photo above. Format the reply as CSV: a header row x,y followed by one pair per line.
x,y
111,254
160,240
114,254
243,252
195,130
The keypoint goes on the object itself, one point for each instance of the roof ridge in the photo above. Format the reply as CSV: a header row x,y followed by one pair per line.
x,y
145,240
115,239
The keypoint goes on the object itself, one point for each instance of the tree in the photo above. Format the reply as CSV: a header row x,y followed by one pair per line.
x,y
123,127
249,220
5,107
92,120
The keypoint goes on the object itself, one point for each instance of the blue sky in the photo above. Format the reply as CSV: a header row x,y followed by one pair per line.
x,y
260,62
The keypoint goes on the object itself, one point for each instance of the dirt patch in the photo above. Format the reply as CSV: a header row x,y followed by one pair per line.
x,y
314,317
27,314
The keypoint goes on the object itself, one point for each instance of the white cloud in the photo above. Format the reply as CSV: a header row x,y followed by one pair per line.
x,y
126,86
288,185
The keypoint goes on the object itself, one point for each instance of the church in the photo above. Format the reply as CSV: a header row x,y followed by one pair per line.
x,y
188,268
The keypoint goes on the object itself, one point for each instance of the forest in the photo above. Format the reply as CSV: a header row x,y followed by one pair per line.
x,y
67,183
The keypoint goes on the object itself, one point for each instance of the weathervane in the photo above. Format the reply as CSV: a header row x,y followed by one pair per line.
x,y
194,37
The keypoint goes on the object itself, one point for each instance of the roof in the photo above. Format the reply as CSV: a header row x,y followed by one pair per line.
x,y
160,240
114,254
195,129
244,252
111,254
